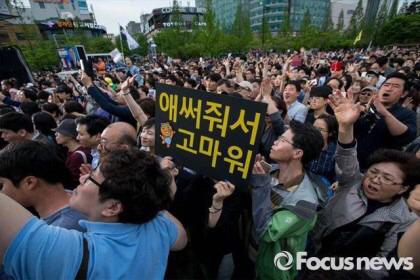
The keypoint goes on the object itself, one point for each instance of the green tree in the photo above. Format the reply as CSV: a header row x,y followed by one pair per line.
x,y
266,35
286,27
41,55
328,24
356,21
394,9
400,29
340,23
414,8
382,15
306,21
241,30
403,8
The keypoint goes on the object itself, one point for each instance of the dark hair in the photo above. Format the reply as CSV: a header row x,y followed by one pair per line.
x,y
44,122
29,94
32,158
280,105
192,82
4,109
332,126
400,76
322,91
294,83
73,106
134,93
15,121
349,81
382,61
135,179
215,77
408,163
149,123
225,82
7,83
43,95
340,82
51,108
144,89
64,89
29,108
173,78
94,124
148,106
308,139
305,69
151,82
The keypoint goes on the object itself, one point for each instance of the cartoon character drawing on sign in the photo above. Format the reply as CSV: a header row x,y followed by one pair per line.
x,y
166,133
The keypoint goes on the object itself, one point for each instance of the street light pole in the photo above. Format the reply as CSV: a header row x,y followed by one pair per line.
x,y
263,25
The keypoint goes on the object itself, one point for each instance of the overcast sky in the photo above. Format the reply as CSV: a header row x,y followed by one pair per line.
x,y
112,12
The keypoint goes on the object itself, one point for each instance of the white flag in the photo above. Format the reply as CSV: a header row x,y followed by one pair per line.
x,y
116,55
132,44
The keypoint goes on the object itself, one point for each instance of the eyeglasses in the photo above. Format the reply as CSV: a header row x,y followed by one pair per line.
x,y
365,92
90,178
383,177
285,140
321,129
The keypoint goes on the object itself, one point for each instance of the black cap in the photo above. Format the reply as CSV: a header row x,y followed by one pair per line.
x,y
67,127
322,91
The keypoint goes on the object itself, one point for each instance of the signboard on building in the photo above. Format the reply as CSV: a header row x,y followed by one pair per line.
x,y
78,24
184,10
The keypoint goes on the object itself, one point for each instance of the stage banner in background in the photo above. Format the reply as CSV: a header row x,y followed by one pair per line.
x,y
212,134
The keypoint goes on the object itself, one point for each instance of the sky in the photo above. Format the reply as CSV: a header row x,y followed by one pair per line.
x,y
111,12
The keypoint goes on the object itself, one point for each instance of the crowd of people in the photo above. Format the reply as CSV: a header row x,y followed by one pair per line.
x,y
84,194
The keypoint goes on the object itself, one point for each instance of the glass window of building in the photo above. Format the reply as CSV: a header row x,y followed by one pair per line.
x,y
41,5
61,6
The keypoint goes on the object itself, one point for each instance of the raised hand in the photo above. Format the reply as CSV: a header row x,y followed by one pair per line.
x,y
258,169
125,87
266,87
223,191
345,110
86,80
169,165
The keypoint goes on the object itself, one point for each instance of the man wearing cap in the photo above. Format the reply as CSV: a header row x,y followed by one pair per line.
x,y
245,89
366,93
65,135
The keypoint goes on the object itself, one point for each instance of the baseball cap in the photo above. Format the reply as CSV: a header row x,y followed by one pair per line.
x,y
245,84
67,127
369,88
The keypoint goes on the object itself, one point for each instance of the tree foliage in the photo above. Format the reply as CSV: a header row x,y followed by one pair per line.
x,y
340,23
328,24
306,21
400,29
356,21
394,9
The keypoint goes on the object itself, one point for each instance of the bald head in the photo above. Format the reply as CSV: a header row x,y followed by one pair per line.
x,y
116,136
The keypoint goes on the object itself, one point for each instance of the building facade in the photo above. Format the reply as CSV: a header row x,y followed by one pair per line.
x,y
133,28
200,4
347,6
163,18
50,19
275,11
225,11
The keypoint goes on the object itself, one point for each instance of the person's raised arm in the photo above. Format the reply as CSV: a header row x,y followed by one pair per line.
x,y
12,218
134,107
223,191
347,113
394,126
